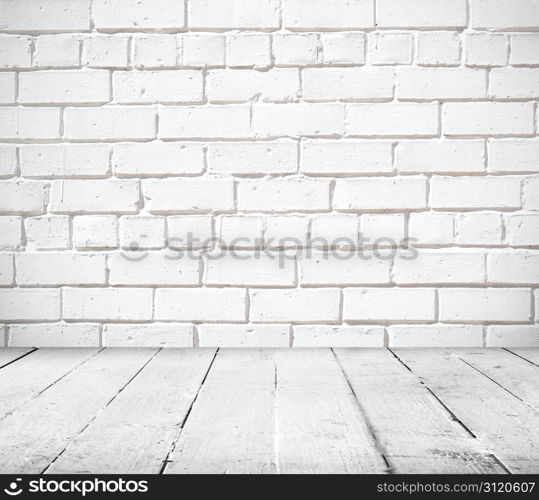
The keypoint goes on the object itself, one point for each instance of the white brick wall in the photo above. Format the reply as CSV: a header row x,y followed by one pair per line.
x,y
133,132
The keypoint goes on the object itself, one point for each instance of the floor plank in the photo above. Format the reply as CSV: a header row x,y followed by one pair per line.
x,y
320,428
33,436
514,374
532,355
424,438
10,354
134,433
29,376
230,429
503,423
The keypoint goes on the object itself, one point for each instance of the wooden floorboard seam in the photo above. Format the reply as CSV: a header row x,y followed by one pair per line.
x,y
44,471
18,358
519,356
182,424
379,447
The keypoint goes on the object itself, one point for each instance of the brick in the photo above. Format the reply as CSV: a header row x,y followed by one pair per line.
x,y
240,85
387,193
54,335
530,200
7,88
136,15
56,87
512,336
298,305
513,155
343,48
338,336
203,50
431,228
43,15
286,231
94,196
478,229
441,83
188,195
142,232
514,83
189,231
473,305
237,231
15,51
345,157
173,86
329,84
382,229
155,269
332,230
148,335
226,122
29,123
10,233
393,119
60,269
440,156
244,158
64,160
488,118
437,48
249,50
421,13
486,49
435,336
48,232
313,14
57,51
242,14
105,51
295,49
347,268
156,159
155,51
201,304
389,304
95,232
240,268
440,267
6,269
38,304
26,197
283,194
237,335
8,161
517,267
522,229
298,119
504,14
111,123
524,49
107,304
389,48
474,192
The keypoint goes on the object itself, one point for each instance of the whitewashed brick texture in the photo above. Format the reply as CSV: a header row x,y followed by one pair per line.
x,y
269,173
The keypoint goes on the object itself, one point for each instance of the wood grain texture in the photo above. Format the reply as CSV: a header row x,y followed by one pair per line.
x,y
10,354
134,433
231,427
31,375
417,434
320,427
506,426
33,436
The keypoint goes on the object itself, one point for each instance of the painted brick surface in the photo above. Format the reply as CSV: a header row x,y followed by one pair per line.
x,y
247,173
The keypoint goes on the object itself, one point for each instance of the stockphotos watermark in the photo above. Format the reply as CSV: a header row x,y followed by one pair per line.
x,y
282,249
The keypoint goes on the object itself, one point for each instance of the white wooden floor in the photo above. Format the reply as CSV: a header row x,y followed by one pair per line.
x,y
269,411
